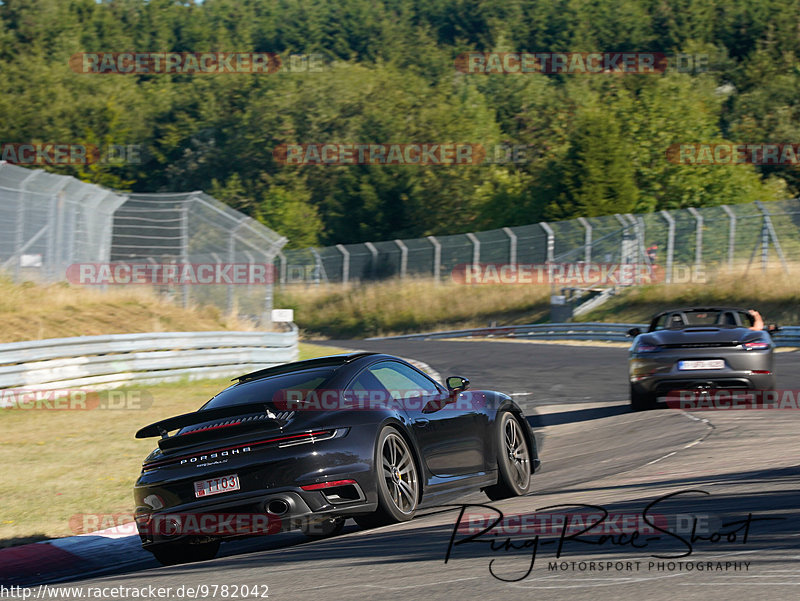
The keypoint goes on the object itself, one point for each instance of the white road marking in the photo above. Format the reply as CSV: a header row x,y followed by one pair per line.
x,y
660,458
409,586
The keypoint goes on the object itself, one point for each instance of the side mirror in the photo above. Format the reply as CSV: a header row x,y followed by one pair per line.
x,y
634,332
773,327
456,384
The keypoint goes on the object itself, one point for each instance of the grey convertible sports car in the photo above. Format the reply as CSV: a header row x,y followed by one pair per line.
x,y
699,348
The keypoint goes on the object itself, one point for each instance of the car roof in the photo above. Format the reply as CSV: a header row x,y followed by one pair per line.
x,y
285,368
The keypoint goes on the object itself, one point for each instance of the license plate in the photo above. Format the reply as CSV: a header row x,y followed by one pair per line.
x,y
215,486
701,364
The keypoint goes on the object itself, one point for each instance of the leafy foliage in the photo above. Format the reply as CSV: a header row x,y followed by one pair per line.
x,y
593,144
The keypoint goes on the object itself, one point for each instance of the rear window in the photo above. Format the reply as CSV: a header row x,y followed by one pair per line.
x,y
264,390
704,318
684,319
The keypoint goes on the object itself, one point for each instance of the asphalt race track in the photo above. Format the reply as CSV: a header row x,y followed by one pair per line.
x,y
732,470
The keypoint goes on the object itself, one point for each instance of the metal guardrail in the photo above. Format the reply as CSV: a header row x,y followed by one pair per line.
x,y
544,331
610,332
115,360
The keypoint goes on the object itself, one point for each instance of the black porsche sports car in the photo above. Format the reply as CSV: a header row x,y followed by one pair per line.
x,y
308,444
701,348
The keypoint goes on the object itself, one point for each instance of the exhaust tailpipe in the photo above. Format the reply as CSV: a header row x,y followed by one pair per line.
x,y
276,506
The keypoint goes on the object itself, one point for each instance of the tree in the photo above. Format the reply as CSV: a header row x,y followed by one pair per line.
x,y
597,176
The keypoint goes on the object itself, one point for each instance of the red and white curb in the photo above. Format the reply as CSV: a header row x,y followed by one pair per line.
x,y
62,558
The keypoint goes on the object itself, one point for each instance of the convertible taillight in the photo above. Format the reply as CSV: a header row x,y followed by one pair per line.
x,y
643,347
755,346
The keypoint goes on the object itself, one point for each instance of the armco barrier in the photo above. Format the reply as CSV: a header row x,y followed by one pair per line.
x,y
118,359
610,332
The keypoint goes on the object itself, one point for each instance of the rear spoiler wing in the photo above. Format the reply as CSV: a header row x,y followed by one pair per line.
x,y
165,426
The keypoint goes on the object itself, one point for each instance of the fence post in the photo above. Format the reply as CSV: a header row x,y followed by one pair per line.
x,y
345,263
731,234
185,242
670,244
639,232
437,257
317,265
269,301
403,258
373,268
231,259
51,238
512,245
551,244
551,240
698,237
476,249
282,262
20,233
637,235
69,253
624,247
773,235
587,240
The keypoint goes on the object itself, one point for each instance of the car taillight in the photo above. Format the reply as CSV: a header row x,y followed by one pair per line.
x,y
755,346
329,484
647,348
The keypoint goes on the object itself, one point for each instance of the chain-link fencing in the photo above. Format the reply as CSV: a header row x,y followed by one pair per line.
x,y
48,222
192,247
673,245
229,258
188,245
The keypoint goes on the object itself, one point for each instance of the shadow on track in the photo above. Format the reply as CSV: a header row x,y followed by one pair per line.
x,y
576,415
359,556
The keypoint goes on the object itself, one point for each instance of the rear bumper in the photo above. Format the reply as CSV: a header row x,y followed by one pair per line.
x,y
661,386
657,374
263,513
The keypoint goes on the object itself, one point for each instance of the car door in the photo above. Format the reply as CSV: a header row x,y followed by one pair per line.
x,y
449,434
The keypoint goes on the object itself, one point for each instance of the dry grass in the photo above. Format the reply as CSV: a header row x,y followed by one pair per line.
x,y
412,305
31,311
774,293
57,464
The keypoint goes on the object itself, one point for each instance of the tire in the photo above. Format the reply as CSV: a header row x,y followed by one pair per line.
x,y
324,528
513,460
641,401
170,554
397,481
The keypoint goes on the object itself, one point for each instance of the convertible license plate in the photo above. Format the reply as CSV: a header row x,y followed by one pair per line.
x,y
701,364
215,486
